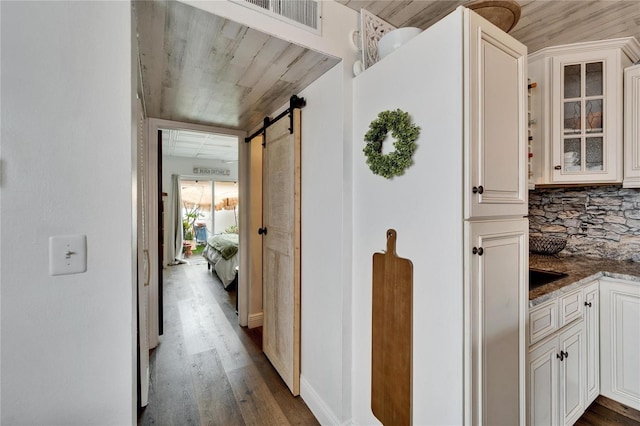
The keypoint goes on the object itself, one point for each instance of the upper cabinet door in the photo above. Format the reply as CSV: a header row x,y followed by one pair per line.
x,y
586,106
631,127
495,137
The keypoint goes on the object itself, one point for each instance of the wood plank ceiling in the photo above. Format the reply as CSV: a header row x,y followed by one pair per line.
x,y
200,68
542,23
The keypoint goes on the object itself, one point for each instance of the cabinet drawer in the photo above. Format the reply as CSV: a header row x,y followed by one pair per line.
x,y
543,320
570,307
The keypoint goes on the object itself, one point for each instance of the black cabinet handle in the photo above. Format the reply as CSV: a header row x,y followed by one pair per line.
x,y
478,189
587,304
478,250
262,231
561,356
557,167
566,354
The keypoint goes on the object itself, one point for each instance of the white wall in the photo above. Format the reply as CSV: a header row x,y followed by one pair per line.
x,y
322,253
424,206
68,354
325,382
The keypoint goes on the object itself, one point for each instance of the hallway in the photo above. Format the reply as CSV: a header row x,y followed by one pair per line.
x,y
207,370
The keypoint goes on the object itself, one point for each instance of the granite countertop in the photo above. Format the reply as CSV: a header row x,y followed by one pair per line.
x,y
580,270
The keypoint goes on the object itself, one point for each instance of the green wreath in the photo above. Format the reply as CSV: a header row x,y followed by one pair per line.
x,y
405,133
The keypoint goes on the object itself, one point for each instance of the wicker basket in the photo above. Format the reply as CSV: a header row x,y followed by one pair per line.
x,y
546,245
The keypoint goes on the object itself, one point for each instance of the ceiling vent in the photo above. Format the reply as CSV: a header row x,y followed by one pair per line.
x,y
301,13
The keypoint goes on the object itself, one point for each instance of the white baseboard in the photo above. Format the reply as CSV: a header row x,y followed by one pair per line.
x,y
255,320
318,407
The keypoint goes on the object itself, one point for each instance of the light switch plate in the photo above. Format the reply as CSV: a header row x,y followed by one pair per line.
x,y
67,254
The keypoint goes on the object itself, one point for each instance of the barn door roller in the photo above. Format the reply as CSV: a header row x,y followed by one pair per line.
x,y
294,102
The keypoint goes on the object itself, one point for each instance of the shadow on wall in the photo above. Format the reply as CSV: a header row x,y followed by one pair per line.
x,y
601,221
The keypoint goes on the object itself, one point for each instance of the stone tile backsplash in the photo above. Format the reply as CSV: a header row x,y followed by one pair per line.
x,y
598,221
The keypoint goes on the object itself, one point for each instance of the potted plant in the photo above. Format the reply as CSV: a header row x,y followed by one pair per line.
x,y
188,221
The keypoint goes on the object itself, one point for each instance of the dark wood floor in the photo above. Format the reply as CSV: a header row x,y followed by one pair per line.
x,y
605,412
207,370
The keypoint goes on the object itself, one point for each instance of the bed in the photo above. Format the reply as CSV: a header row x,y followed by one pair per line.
x,y
222,256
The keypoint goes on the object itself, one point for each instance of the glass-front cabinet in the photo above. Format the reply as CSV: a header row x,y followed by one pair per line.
x,y
577,135
587,143
582,133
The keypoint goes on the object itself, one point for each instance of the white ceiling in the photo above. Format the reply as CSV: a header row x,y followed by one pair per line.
x,y
207,146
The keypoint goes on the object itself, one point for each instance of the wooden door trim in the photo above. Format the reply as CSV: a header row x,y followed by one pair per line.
x,y
254,240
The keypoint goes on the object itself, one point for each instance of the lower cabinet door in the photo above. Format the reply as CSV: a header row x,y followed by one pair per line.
x,y
619,341
572,373
496,297
543,385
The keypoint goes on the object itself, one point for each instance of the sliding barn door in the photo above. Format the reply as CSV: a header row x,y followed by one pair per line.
x,y
281,250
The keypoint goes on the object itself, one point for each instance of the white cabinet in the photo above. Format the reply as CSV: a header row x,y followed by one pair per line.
x,y
570,307
631,127
619,341
571,355
497,182
579,131
543,321
592,340
556,378
563,362
499,264
496,250
543,384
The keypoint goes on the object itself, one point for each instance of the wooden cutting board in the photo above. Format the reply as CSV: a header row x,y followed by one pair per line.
x,y
391,342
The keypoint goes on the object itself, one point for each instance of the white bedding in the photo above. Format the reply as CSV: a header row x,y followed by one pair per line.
x,y
225,269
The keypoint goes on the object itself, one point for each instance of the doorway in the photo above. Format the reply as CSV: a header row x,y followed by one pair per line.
x,y
200,180
165,138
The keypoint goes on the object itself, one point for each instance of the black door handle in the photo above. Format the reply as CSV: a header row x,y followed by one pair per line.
x,y
478,189
262,231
